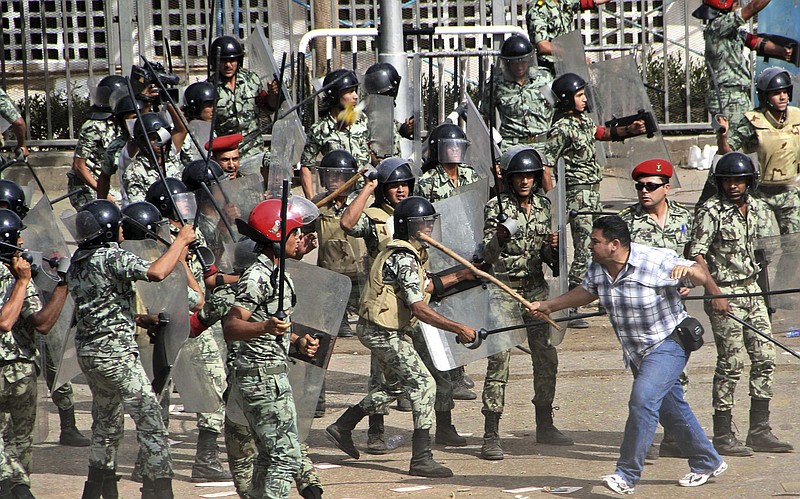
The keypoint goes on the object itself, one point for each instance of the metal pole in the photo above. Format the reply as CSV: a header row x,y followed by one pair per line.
x,y
391,49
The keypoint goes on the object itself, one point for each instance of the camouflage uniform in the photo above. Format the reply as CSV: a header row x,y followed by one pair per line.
x,y
93,139
525,114
547,19
778,149
399,270
435,185
518,263
371,226
18,390
238,109
8,111
326,136
139,175
572,138
110,163
727,240
101,282
260,376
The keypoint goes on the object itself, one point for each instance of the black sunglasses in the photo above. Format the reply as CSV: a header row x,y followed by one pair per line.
x,y
650,186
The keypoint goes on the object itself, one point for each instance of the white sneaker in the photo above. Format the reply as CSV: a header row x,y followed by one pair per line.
x,y
697,479
617,484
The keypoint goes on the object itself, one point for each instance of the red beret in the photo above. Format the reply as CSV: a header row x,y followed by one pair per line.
x,y
225,143
652,167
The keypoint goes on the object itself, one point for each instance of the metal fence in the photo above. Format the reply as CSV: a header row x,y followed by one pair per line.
x,y
50,49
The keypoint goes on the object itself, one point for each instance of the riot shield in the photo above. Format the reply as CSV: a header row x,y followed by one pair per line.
x,y
321,301
479,153
781,258
42,413
380,121
558,281
201,131
262,62
608,77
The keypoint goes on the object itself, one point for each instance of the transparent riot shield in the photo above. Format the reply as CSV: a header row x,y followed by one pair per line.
x,y
262,62
479,154
380,120
558,222
781,257
42,428
608,77
201,131
284,141
321,302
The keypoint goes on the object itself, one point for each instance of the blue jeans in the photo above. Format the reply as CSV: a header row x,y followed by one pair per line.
x,y
657,394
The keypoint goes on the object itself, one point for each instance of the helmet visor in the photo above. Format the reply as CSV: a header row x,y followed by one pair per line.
x,y
452,150
186,205
430,226
331,179
518,68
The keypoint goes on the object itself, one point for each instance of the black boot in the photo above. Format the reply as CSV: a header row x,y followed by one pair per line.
x,y
341,431
311,492
160,488
70,435
206,461
21,491
5,489
760,437
460,389
725,442
669,446
491,449
546,432
375,439
422,463
93,486
110,480
446,433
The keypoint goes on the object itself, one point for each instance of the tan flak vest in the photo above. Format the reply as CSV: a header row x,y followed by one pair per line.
x,y
379,301
778,146
337,251
379,217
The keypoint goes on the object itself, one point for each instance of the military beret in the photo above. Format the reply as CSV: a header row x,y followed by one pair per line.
x,y
225,143
652,167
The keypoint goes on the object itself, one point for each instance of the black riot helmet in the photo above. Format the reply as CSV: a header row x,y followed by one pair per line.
x,y
382,79
344,79
335,170
97,223
772,79
228,47
101,98
339,160
10,227
516,47
413,214
122,105
154,123
736,164
522,159
13,195
447,143
140,216
196,173
391,171
196,96
161,196
564,89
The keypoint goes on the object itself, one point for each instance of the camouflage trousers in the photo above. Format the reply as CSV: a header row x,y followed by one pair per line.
x,y
62,396
544,357
581,230
735,102
735,344
87,195
403,372
18,396
241,448
120,384
376,379
268,405
785,206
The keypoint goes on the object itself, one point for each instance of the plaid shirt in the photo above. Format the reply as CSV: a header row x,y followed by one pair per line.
x,y
643,302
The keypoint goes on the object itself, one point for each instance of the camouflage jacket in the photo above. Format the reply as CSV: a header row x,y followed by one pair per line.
x,y
521,258
645,230
139,176
728,240
20,342
547,19
368,229
572,138
725,37
435,185
524,112
257,292
237,109
325,136
103,286
94,138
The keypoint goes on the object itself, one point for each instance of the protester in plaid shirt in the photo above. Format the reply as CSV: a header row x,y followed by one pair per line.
x,y
638,286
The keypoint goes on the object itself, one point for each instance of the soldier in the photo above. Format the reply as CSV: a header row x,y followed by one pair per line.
x,y
340,127
723,241
225,151
260,369
572,137
101,277
383,79
444,170
94,137
124,109
240,93
547,19
198,107
21,317
659,222
395,297
525,114
10,113
517,259
773,132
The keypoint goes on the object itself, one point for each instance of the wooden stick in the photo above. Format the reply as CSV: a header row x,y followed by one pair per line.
x,y
484,275
339,190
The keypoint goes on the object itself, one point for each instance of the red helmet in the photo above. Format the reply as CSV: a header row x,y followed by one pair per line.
x,y
264,223
712,8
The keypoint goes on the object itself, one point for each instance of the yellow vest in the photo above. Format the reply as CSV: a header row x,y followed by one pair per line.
x,y
337,251
778,146
379,301
379,216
